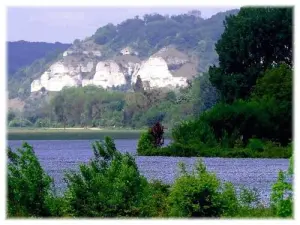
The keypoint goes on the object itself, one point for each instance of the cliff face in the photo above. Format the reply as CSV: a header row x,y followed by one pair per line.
x,y
164,51
80,66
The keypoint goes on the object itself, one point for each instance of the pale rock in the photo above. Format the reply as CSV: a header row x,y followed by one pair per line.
x,y
108,74
87,68
155,72
97,53
57,77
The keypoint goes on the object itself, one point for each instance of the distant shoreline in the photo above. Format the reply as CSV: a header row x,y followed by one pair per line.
x,y
72,133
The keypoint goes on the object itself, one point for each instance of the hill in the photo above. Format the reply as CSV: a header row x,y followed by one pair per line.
x,y
24,53
26,60
164,51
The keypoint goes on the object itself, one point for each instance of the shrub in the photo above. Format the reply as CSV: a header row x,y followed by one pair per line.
x,y
28,184
19,123
109,186
201,194
159,195
145,144
43,122
255,144
196,131
282,194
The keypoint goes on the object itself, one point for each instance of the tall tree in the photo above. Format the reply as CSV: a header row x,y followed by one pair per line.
x,y
254,40
138,86
60,109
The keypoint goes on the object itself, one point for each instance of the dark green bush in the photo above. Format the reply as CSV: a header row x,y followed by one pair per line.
x,y
201,194
255,144
28,184
159,195
145,144
109,186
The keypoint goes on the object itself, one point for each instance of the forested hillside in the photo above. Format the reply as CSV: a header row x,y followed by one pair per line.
x,y
24,53
26,60
187,32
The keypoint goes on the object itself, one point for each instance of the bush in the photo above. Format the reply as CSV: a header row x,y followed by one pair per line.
x,y
159,196
145,144
201,194
43,122
109,186
194,132
28,184
255,145
282,194
20,123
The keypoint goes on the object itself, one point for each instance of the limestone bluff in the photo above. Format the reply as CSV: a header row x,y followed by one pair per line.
x,y
82,66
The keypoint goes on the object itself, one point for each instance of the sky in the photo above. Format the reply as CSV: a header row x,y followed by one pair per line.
x,y
65,24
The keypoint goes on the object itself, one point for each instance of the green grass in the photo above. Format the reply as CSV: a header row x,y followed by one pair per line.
x,y
60,134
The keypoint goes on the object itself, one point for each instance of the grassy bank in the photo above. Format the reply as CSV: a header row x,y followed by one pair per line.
x,y
71,134
255,149
177,150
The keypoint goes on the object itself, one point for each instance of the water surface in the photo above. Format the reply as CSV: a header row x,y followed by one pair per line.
x,y
57,156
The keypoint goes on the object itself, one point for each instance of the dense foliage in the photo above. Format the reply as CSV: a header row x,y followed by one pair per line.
x,y
253,40
188,32
93,106
23,53
255,112
110,185
28,184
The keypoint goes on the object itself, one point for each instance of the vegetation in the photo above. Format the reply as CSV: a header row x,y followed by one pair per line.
x,y
110,185
188,32
28,184
72,134
92,106
282,193
254,115
24,53
252,118
26,60
246,49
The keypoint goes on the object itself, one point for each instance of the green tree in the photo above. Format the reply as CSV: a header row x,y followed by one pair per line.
x,y
28,184
60,109
109,186
253,40
11,115
276,86
138,86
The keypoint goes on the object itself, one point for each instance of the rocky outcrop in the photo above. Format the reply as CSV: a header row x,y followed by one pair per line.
x,y
81,67
155,73
108,74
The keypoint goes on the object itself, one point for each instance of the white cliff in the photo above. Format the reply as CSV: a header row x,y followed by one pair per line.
x,y
59,76
155,71
108,74
87,69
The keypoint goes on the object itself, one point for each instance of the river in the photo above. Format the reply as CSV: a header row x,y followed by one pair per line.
x,y
58,156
